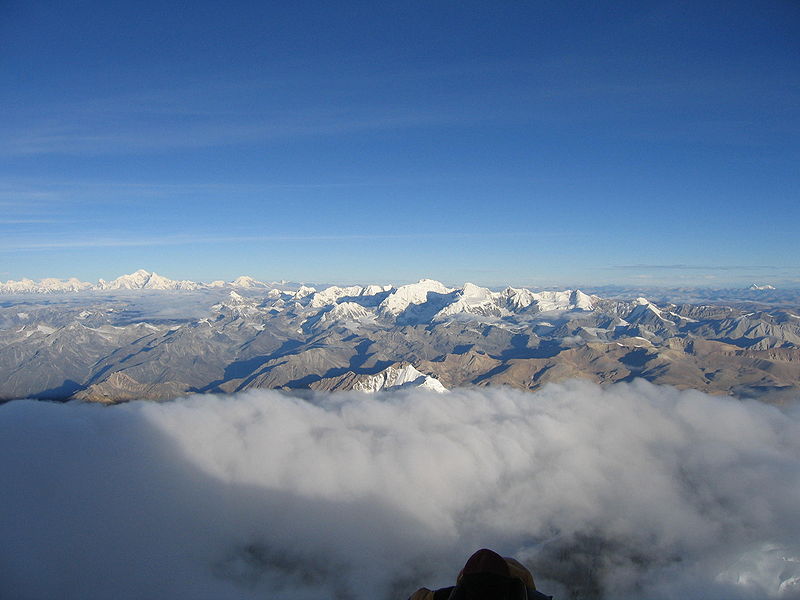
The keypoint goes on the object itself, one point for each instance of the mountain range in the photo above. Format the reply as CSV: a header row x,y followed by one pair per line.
x,y
146,336
139,280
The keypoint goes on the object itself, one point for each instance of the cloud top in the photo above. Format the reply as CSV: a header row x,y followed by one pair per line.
x,y
629,491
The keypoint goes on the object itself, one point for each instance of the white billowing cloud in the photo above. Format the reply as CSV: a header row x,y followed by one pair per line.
x,y
630,491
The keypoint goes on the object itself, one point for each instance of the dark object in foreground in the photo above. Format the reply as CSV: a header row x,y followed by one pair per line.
x,y
487,576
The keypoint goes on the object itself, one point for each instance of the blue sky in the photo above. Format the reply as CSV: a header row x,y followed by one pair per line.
x,y
533,143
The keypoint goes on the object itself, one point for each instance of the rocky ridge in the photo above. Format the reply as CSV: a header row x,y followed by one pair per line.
x,y
105,347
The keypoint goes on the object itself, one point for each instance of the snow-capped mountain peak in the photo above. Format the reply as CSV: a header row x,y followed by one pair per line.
x,y
332,294
518,298
562,300
399,377
133,281
374,290
158,282
644,310
474,291
472,299
412,293
580,300
642,301
303,292
245,281
145,280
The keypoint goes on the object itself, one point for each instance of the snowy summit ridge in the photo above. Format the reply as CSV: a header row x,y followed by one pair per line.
x,y
145,280
352,302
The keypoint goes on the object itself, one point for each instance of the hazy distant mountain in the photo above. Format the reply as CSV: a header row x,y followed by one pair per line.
x,y
146,336
44,286
138,280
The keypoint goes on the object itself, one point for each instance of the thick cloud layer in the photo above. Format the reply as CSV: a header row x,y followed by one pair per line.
x,y
632,491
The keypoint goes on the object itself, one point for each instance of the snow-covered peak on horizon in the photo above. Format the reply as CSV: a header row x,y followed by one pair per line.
x,y
44,286
762,287
412,293
472,290
245,281
146,280
331,295
131,281
477,300
562,300
374,290
518,298
472,299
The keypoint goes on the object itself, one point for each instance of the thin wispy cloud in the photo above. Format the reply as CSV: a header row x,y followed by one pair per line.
x,y
685,267
124,127
187,239
234,111
56,189
246,111
28,221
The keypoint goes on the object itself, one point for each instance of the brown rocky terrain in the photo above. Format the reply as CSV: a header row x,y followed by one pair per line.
x,y
112,348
